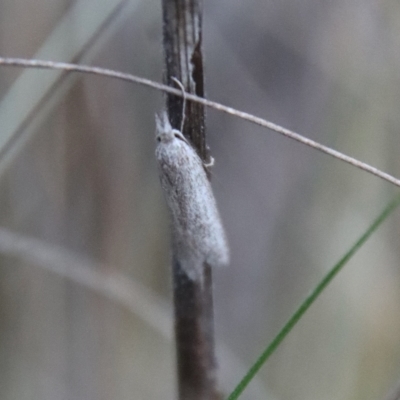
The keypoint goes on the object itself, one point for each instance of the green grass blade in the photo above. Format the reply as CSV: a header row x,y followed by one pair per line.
x,y
310,300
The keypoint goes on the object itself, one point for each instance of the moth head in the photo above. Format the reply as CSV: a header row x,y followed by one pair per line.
x,y
164,131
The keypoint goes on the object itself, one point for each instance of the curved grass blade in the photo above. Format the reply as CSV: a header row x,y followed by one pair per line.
x,y
309,300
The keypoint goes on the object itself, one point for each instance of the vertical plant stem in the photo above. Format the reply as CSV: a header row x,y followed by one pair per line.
x,y
193,300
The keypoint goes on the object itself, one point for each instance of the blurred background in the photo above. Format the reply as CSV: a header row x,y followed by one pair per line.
x,y
85,291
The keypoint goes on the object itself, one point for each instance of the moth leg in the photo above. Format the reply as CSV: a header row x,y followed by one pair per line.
x,y
210,163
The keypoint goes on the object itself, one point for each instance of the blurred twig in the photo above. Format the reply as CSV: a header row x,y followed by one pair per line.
x,y
32,93
116,287
139,300
19,62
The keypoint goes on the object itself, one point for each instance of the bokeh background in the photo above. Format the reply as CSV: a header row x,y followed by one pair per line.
x,y
85,292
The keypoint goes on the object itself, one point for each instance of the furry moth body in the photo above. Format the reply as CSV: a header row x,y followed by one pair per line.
x,y
198,234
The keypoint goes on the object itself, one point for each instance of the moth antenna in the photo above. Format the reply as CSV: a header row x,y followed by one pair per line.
x,y
179,83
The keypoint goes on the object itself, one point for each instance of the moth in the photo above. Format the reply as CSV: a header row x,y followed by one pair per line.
x,y
198,234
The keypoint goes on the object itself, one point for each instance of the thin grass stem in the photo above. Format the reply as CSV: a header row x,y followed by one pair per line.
x,y
309,300
20,62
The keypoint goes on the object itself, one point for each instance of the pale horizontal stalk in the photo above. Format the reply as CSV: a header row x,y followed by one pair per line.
x,y
19,62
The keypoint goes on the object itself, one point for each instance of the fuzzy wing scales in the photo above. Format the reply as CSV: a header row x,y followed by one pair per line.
x,y
198,232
